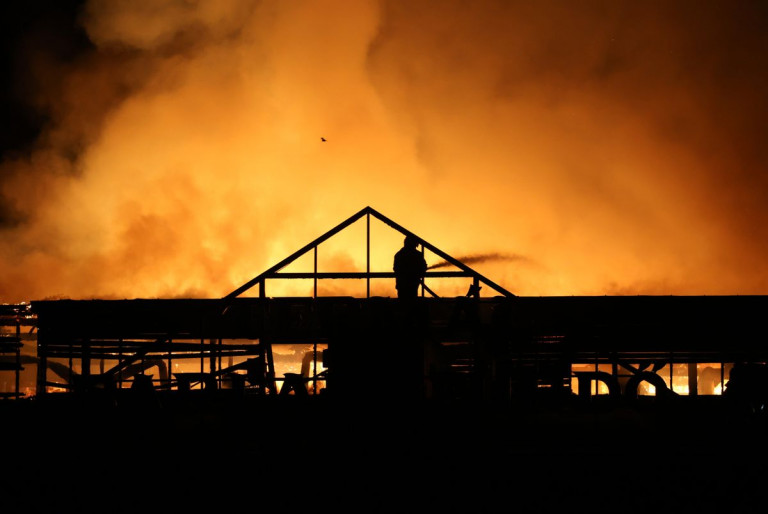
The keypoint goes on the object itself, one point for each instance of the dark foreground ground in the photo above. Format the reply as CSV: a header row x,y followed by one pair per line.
x,y
209,454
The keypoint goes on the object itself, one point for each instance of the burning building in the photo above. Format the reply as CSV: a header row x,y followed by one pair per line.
x,y
477,348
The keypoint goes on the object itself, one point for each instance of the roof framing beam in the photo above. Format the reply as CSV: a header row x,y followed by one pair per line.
x,y
274,271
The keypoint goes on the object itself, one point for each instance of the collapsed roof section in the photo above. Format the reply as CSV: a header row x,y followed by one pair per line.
x,y
274,273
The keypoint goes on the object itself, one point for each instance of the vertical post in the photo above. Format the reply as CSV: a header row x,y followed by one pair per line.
x,y
368,255
594,385
314,368
85,363
262,288
212,356
671,371
314,275
265,352
693,379
69,355
219,349
423,279
18,353
269,364
202,357
722,377
42,364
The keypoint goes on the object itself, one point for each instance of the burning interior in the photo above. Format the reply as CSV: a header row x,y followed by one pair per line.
x,y
500,348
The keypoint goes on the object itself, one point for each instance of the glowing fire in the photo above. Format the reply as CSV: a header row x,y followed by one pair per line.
x,y
709,380
195,144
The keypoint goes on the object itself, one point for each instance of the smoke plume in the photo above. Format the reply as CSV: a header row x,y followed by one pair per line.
x,y
477,259
178,149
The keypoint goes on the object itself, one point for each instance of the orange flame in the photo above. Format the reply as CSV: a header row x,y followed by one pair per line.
x,y
183,154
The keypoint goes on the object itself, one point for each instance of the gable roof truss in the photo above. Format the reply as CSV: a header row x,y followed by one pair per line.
x,y
368,212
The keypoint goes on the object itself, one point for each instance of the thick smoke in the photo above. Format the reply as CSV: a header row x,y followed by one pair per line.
x,y
620,144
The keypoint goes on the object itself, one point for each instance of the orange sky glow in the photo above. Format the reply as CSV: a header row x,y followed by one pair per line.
x,y
595,148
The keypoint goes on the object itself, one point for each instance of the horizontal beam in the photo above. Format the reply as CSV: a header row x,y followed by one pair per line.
x,y
363,274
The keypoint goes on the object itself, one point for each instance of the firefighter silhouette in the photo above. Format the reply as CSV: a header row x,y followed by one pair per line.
x,y
410,268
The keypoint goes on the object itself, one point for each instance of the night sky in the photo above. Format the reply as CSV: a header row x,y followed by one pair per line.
x,y
173,149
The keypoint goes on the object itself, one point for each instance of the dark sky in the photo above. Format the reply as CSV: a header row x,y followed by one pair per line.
x,y
28,29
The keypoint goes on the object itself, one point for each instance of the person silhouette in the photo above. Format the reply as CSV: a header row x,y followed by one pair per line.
x,y
410,268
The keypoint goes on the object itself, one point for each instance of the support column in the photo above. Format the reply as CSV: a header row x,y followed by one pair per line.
x,y
693,379
42,365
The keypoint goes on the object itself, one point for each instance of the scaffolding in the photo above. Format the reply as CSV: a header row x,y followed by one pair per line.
x,y
12,318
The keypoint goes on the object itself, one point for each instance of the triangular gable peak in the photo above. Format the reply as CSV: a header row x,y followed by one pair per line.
x,y
275,271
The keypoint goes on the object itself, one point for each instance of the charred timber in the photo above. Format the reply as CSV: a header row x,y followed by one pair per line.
x,y
658,324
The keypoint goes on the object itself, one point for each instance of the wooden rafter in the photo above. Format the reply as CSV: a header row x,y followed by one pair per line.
x,y
274,271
